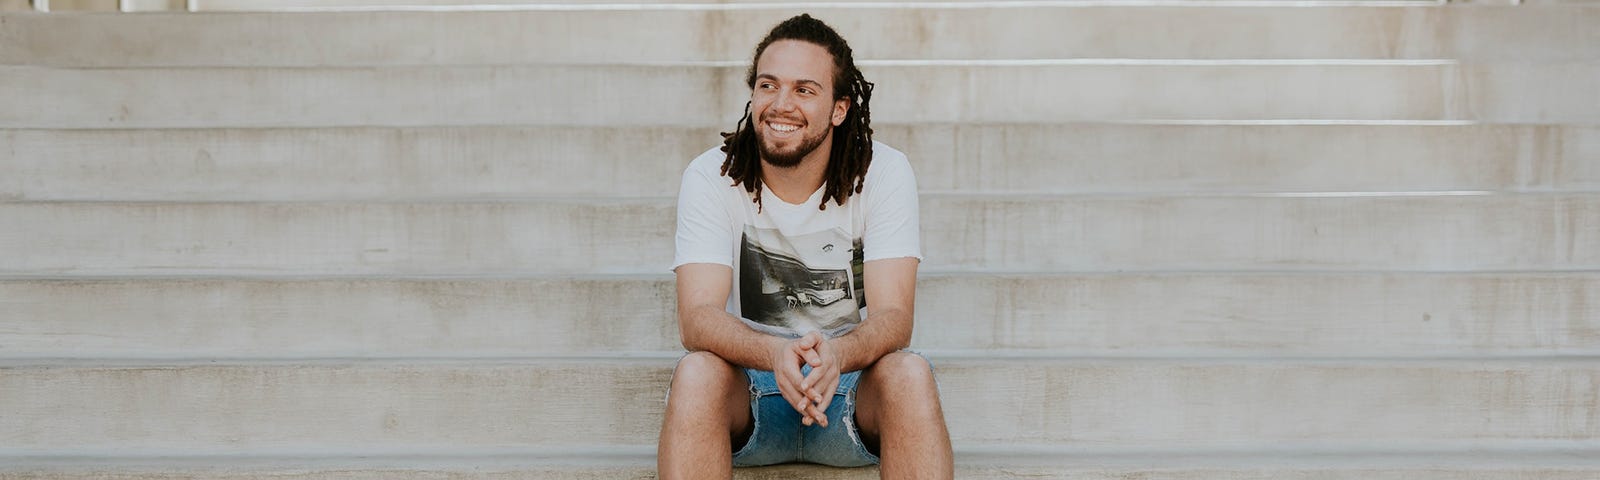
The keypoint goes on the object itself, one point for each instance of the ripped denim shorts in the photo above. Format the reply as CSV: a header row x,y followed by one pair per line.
x,y
779,437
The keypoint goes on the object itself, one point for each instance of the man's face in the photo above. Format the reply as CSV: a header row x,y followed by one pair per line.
x,y
792,103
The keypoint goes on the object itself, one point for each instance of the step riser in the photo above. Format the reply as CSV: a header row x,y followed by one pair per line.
x,y
402,38
711,96
358,163
1108,404
1281,315
963,471
1040,234
311,239
468,162
336,317
1286,234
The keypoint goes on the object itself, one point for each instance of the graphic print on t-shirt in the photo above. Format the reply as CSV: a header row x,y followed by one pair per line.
x,y
796,285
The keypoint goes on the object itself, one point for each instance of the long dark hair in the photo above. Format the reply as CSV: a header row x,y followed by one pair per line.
x,y
851,153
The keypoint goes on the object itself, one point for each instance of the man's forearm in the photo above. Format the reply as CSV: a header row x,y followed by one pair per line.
x,y
717,331
882,333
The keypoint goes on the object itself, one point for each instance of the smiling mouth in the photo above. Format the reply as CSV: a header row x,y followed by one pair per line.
x,y
782,127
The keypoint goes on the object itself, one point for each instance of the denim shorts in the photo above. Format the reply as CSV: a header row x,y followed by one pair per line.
x,y
779,437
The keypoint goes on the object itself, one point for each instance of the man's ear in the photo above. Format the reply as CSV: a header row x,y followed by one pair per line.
x,y
840,108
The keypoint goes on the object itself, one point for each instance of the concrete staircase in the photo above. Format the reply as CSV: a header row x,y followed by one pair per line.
x,y
1165,240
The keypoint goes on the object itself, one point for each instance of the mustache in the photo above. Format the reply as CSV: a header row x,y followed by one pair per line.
x,y
796,121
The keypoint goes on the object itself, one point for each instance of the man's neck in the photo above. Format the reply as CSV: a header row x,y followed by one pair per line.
x,y
796,184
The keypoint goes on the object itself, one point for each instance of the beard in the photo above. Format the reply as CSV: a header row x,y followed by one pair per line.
x,y
789,158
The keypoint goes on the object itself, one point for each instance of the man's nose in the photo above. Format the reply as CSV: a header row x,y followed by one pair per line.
x,y
784,102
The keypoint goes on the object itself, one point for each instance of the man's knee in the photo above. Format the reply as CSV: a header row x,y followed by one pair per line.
x,y
905,370
700,373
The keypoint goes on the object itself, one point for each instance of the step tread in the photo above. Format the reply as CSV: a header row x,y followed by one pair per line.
x,y
1475,231
1366,455
631,95
716,31
1202,314
986,401
438,163
657,360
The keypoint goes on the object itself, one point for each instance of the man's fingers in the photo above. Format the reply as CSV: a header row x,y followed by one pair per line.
x,y
833,386
817,377
791,374
816,415
789,367
795,396
823,405
822,387
803,391
822,383
820,377
792,394
810,341
812,357
789,378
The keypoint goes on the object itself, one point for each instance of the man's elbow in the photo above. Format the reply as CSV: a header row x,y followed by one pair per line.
x,y
902,336
691,343
901,342
688,335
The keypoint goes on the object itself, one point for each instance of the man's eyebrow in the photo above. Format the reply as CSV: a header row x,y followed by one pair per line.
x,y
768,76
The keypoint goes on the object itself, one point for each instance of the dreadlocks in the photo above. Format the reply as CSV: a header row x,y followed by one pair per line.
x,y
851,152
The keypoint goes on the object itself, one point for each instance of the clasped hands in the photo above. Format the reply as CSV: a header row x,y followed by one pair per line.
x,y
808,394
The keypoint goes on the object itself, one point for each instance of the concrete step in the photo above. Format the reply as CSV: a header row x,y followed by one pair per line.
x,y
1284,233
344,164
514,5
1148,403
323,6
1208,315
708,31
1007,462
709,95
1274,233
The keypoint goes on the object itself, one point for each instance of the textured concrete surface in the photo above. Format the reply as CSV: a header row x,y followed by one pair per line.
x,y
454,163
1193,240
1431,233
882,31
960,232
483,403
1325,315
1040,463
639,95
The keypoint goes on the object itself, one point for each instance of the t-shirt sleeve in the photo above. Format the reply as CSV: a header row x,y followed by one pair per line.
x,y
893,227
705,232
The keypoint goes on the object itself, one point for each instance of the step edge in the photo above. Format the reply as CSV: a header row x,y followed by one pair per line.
x,y
962,358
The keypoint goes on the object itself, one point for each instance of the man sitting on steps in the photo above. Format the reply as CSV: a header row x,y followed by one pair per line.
x,y
784,233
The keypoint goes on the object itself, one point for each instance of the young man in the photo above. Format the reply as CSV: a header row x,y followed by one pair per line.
x,y
797,252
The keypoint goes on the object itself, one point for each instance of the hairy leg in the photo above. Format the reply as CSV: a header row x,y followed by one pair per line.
x,y
708,410
897,408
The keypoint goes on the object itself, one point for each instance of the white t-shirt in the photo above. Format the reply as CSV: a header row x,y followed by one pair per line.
x,y
798,269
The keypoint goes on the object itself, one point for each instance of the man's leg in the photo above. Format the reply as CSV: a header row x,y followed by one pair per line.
x,y
708,409
897,407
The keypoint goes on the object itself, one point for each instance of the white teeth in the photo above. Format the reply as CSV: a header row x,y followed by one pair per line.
x,y
783,128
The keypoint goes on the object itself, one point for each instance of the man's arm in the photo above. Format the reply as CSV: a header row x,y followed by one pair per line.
x,y
705,325
891,286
